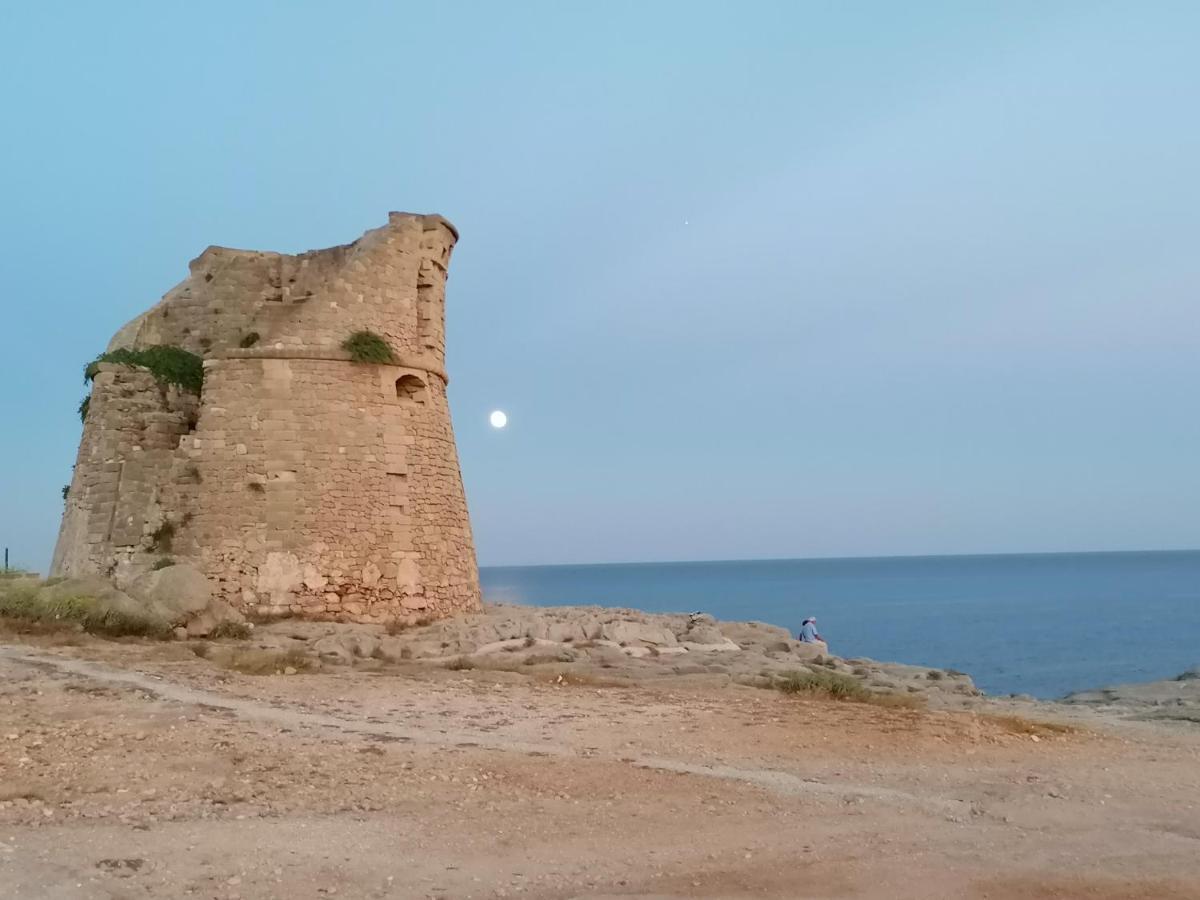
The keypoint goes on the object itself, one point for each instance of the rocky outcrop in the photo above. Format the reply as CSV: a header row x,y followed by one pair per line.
x,y
598,643
177,593
1175,699
181,596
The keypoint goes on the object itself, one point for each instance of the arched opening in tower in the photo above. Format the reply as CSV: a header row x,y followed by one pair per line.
x,y
410,389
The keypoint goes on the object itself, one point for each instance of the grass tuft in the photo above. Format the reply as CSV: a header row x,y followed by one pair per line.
x,y
238,631
828,684
368,347
835,686
268,662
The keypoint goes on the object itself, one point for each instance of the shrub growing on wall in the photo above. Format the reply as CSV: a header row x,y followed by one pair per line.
x,y
169,365
368,347
163,536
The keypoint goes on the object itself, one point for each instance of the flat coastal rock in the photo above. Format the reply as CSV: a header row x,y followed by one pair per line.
x,y
599,643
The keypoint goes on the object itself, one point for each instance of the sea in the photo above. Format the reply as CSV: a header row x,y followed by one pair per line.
x,y
1037,624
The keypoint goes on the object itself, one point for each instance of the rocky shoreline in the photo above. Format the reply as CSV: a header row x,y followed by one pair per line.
x,y
582,644
588,643
603,644
1169,700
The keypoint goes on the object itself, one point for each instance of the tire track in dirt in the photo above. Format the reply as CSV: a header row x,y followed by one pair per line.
x,y
774,781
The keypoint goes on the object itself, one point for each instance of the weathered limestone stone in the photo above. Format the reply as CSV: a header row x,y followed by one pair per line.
x,y
408,576
753,634
216,613
344,648
722,646
175,593
566,631
278,577
371,575
313,579
298,481
704,634
633,632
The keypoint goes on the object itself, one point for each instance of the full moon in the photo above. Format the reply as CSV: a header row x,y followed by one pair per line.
x,y
498,419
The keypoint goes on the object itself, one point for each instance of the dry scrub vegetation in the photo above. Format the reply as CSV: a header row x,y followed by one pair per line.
x,y
24,602
256,661
1019,725
833,686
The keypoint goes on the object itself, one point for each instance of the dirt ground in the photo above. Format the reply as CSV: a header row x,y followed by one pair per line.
x,y
140,770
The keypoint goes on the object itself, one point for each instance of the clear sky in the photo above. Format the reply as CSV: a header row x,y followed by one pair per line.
x,y
750,279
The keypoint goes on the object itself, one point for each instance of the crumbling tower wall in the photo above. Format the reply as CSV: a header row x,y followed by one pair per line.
x,y
304,481
129,489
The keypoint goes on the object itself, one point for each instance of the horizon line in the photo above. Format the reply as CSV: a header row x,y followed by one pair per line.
x,y
682,562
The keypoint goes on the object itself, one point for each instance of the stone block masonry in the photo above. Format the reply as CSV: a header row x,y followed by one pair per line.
x,y
301,482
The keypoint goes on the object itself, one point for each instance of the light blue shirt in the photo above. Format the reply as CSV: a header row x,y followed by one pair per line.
x,y
808,633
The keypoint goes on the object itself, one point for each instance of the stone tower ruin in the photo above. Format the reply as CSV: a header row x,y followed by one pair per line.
x,y
298,479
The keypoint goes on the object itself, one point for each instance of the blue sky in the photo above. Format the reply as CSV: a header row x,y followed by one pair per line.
x,y
751,280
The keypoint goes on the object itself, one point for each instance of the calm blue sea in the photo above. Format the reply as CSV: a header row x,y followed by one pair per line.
x,y
1043,624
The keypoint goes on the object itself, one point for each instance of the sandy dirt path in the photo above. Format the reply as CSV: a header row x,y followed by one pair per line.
x,y
137,770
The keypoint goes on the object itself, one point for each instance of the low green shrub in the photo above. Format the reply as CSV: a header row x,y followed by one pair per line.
x,y
169,365
84,406
368,347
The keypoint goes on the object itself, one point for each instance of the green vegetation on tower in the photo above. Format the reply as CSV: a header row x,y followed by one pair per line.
x,y
169,365
368,347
